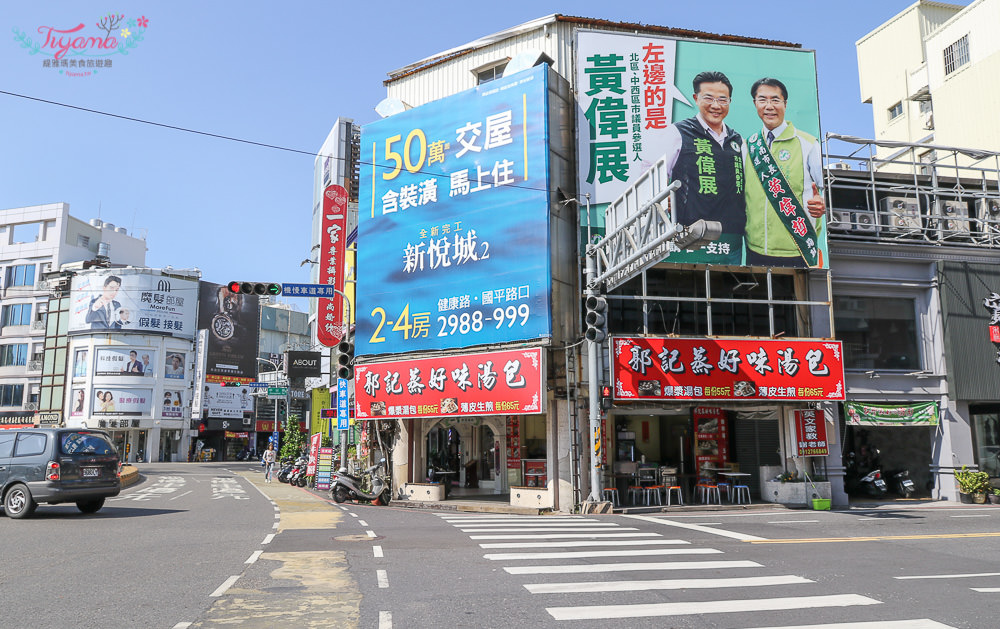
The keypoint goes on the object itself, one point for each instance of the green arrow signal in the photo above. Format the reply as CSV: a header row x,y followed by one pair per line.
x,y
274,289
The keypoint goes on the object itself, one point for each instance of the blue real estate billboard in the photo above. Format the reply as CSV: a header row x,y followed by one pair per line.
x,y
453,228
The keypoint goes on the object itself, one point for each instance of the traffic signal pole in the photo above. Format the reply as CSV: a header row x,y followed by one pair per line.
x,y
593,386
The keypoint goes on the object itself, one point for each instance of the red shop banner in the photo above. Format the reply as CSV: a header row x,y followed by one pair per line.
x,y
330,328
489,383
810,431
727,369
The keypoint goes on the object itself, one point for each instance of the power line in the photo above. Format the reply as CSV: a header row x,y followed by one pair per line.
x,y
241,140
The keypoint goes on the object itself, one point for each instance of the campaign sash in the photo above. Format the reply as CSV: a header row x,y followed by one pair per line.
x,y
779,194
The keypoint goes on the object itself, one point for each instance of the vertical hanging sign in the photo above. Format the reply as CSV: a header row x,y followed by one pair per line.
x,y
331,327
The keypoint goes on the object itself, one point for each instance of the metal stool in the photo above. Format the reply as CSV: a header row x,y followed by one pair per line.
x,y
610,494
739,493
634,493
680,494
710,495
654,490
724,489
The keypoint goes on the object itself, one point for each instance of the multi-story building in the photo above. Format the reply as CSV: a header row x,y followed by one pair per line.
x,y
34,241
919,70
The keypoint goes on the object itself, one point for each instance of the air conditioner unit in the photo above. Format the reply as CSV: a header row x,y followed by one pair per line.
x,y
840,220
864,221
900,216
988,212
928,119
953,220
840,166
31,406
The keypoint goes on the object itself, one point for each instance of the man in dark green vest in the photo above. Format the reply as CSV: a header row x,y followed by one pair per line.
x,y
705,155
784,169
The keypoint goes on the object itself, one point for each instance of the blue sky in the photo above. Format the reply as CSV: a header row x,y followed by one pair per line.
x,y
280,74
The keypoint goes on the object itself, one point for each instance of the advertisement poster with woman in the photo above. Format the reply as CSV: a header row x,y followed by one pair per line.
x,y
79,400
118,401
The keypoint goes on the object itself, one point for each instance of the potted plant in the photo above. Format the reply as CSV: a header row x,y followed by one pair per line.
x,y
994,496
972,485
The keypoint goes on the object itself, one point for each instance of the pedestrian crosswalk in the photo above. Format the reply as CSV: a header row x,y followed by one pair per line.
x,y
588,553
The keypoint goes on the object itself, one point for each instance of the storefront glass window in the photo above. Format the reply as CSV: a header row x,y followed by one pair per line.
x,y
987,428
878,332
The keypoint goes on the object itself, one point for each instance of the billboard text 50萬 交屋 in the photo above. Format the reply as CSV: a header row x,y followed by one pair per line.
x,y
453,227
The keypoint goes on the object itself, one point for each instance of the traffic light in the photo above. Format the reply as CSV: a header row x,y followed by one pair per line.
x,y
345,359
230,384
596,320
605,398
254,288
282,413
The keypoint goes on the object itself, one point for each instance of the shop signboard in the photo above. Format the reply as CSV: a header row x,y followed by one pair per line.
x,y
173,367
331,265
125,300
324,466
120,401
267,425
711,446
16,419
233,324
513,442
453,226
226,402
636,106
303,365
810,432
656,368
870,414
314,442
489,383
125,361
173,404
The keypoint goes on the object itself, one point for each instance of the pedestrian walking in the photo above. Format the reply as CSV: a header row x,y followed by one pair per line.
x,y
269,456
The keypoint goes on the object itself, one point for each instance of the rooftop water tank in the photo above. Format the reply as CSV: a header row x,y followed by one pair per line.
x,y
96,222
104,249
109,226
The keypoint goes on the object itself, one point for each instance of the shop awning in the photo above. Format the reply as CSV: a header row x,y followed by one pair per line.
x,y
867,414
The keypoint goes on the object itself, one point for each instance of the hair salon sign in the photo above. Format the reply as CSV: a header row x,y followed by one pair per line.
x,y
84,49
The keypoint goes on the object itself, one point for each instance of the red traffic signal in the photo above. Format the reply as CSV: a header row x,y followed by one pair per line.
x,y
606,398
254,288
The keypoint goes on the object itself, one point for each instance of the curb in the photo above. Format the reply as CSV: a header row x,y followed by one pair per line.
x,y
129,476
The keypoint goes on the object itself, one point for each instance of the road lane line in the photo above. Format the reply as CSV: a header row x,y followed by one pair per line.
x,y
629,567
700,529
228,583
268,538
918,623
592,542
564,535
531,529
643,552
182,625
793,521
878,519
872,538
979,515
602,612
354,515
275,525
377,551
385,620
950,576
662,584
576,524
362,523
985,590
182,495
256,555
370,533
383,578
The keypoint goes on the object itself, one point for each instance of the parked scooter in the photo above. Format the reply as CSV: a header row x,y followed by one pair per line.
x,y
861,480
298,474
371,485
901,483
287,465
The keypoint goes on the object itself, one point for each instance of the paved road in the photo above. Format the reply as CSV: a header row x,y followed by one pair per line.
x,y
210,545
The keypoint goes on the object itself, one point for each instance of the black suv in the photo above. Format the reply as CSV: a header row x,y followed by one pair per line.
x,y
54,465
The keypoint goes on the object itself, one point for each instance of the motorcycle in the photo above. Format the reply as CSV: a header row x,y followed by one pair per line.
x,y
857,481
298,474
370,485
901,483
287,466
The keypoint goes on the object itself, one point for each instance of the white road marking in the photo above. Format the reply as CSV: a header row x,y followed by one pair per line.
x,y
564,535
385,620
577,524
354,515
181,496
383,578
182,625
793,521
602,553
707,523
377,550
228,583
370,533
628,567
878,519
362,523
268,538
985,590
918,623
256,555
978,515
520,519
591,612
533,529
275,525
592,542
700,529
950,576
661,584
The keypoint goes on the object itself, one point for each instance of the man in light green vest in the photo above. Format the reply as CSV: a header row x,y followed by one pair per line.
x,y
783,169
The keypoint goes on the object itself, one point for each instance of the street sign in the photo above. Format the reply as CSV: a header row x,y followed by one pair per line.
x,y
307,290
276,392
343,420
257,385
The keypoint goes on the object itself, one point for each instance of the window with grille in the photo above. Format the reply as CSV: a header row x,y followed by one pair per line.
x,y
490,74
956,55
